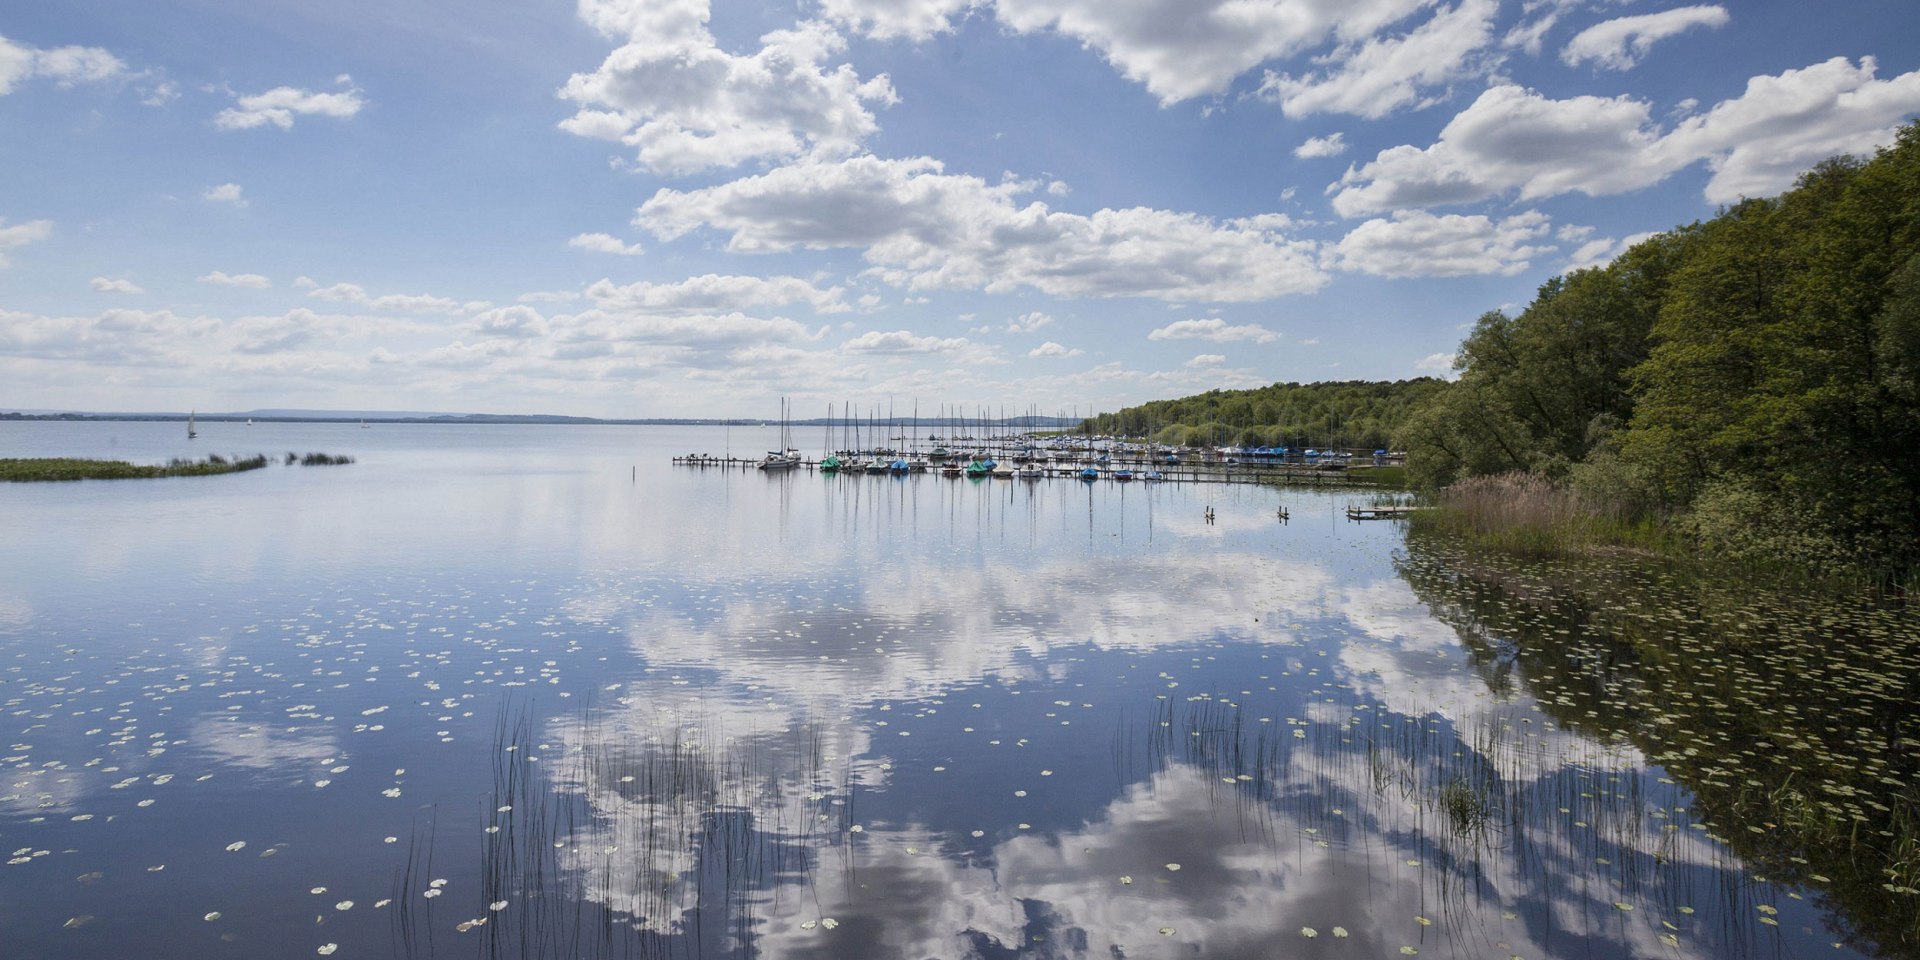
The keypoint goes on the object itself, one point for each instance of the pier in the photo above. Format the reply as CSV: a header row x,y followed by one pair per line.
x,y
1392,512
1186,471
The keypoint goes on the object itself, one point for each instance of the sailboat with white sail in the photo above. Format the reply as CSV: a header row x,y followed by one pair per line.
x,y
785,458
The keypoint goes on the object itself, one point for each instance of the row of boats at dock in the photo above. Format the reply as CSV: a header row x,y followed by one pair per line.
x,y
1029,465
1038,458
1029,456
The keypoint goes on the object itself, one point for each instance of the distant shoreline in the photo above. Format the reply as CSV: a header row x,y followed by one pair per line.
x,y
488,419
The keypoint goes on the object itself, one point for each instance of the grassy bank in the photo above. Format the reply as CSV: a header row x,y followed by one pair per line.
x,y
71,468
1534,518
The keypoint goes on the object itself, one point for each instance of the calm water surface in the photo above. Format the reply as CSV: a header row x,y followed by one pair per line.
x,y
532,691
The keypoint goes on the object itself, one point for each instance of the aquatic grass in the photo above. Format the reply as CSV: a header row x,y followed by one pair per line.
x,y
60,469
623,842
68,468
1786,713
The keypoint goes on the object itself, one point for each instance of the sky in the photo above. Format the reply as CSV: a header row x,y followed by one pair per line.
x,y
663,208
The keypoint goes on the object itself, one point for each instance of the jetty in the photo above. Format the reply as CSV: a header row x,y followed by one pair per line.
x,y
1389,512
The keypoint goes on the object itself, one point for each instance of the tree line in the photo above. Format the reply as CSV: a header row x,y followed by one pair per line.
x,y
1344,414
1751,382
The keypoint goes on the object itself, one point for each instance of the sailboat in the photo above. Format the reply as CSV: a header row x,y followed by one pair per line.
x,y
191,432
785,458
829,463
249,421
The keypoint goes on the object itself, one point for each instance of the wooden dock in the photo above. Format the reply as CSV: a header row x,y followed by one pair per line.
x,y
1184,472
1392,512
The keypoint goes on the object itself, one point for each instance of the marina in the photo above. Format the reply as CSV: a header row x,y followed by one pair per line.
x,y
481,675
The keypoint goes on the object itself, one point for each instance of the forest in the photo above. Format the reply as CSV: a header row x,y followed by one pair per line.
x,y
1749,384
1746,387
1355,414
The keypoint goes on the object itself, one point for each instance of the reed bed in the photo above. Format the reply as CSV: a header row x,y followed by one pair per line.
x,y
59,469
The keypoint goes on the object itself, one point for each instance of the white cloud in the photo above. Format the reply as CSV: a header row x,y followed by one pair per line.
x,y
714,293
1374,78
224,193
699,331
606,243
1206,360
512,323
890,19
278,107
685,105
1182,49
249,280
113,285
1435,363
1618,44
159,94
65,66
924,228
1328,146
1600,252
1055,351
21,234
1513,139
1213,329
1415,243
903,341
1029,322
396,302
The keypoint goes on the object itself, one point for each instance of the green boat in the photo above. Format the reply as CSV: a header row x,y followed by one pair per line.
x,y
830,465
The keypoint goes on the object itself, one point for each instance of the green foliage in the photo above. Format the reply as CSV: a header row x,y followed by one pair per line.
x,y
1755,379
1351,414
1533,387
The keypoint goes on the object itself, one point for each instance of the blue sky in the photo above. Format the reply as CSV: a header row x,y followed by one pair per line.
x,y
628,209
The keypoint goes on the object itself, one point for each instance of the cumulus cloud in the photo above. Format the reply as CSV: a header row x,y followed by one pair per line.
x,y
224,279
714,293
1414,243
891,19
278,107
606,243
1600,252
1055,351
1213,329
903,341
512,323
1381,74
1513,139
225,193
65,66
1206,360
1435,363
1180,49
113,285
924,228
1328,146
1029,322
1620,43
397,302
685,105
695,330
21,234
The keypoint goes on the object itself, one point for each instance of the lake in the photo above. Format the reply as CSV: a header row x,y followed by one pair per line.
x,y
533,691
